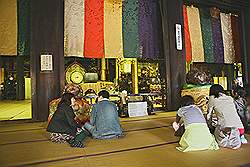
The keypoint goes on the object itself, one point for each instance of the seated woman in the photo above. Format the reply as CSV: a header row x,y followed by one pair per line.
x,y
81,106
196,135
62,126
228,127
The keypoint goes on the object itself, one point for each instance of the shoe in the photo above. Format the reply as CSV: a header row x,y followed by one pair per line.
x,y
243,139
77,144
71,141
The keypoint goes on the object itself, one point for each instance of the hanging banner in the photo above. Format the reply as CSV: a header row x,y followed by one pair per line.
x,y
195,34
236,37
23,27
113,29
8,27
226,26
206,29
147,26
218,49
130,28
94,29
73,27
188,48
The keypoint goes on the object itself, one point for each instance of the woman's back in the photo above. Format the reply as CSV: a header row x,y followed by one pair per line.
x,y
191,114
225,111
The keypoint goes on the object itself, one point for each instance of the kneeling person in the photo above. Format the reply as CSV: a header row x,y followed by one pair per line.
x,y
104,121
196,135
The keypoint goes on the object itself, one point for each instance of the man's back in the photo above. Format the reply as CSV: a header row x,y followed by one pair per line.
x,y
104,118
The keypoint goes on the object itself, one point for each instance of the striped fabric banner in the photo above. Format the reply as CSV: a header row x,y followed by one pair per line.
x,y
195,34
226,27
73,27
23,27
236,37
188,48
206,29
113,28
8,27
94,29
130,28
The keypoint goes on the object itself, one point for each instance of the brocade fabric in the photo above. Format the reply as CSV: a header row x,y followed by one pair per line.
x,y
8,27
23,28
113,29
73,27
188,48
206,29
226,27
94,29
130,32
236,37
217,40
195,34
148,27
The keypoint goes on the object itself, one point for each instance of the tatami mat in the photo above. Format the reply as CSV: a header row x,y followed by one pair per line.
x,y
148,141
14,110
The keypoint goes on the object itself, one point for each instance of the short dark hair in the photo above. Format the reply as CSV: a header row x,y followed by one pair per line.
x,y
215,90
240,91
187,100
104,94
66,98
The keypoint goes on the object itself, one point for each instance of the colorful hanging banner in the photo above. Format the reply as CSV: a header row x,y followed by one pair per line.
x,y
226,28
113,29
195,34
217,36
8,27
147,36
188,48
94,28
206,29
73,27
236,37
23,28
157,30
130,29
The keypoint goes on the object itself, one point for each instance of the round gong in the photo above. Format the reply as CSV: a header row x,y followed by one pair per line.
x,y
74,74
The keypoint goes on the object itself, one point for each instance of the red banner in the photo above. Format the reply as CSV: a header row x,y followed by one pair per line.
x,y
94,29
187,36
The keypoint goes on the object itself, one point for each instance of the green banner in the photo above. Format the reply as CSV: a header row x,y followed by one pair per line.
x,y
130,29
206,29
23,15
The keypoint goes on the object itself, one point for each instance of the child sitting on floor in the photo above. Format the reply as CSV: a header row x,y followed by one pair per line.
x,y
196,135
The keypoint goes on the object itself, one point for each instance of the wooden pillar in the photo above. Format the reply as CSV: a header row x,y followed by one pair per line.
x,y
171,14
47,26
20,78
245,49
